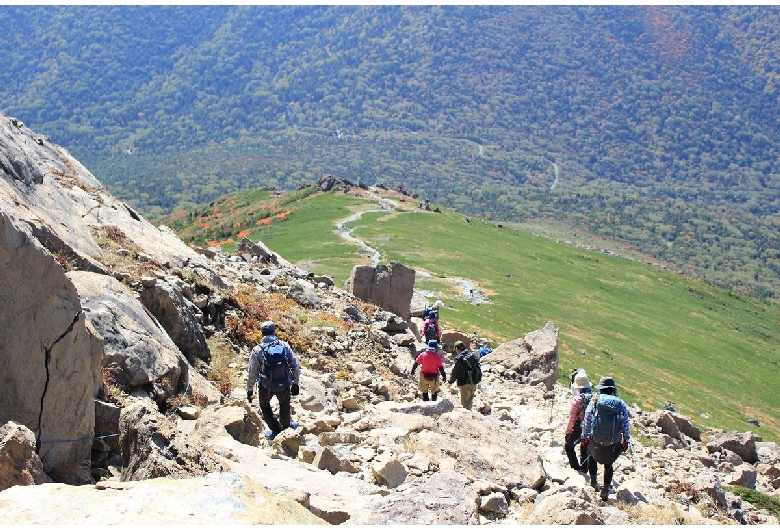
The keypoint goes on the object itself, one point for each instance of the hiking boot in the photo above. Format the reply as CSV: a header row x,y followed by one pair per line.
x,y
269,434
594,484
604,494
434,396
293,425
425,396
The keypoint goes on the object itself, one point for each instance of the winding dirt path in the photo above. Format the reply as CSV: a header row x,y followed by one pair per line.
x,y
469,290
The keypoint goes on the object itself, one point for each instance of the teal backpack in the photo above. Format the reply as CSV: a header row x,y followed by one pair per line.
x,y
606,429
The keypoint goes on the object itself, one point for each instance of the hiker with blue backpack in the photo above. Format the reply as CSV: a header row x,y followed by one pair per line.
x,y
580,387
467,372
431,366
273,366
605,432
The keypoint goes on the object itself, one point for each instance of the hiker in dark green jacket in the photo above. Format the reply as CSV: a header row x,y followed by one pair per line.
x,y
466,373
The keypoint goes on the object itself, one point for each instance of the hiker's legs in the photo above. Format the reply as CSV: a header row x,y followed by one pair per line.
x,y
592,470
264,401
424,386
608,471
284,408
568,446
434,388
467,395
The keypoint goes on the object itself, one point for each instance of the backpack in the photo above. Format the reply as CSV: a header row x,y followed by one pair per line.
x,y
430,330
474,369
606,429
276,372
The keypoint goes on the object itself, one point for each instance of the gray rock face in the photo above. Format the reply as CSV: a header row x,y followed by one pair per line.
x,y
137,352
50,359
177,315
388,286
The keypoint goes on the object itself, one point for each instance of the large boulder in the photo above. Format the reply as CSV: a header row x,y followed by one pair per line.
x,y
743,444
50,357
19,463
388,286
443,498
533,358
252,251
151,446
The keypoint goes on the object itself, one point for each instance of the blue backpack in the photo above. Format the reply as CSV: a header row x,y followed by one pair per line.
x,y
606,429
276,373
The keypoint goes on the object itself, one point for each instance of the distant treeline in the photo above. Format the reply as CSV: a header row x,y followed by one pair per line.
x,y
663,120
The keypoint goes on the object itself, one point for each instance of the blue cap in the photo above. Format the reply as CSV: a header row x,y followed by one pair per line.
x,y
433,343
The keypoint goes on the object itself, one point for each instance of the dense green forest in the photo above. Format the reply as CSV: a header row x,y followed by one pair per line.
x,y
654,126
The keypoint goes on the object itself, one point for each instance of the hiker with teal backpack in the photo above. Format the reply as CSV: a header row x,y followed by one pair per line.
x,y
605,432
273,366
431,367
467,372
580,387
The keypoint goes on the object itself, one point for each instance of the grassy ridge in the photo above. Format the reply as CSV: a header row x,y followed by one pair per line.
x,y
662,336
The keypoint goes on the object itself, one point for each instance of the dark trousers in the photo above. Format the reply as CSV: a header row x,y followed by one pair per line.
x,y
605,455
571,442
264,400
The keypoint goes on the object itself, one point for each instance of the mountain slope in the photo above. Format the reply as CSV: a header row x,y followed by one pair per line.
x,y
667,337
662,120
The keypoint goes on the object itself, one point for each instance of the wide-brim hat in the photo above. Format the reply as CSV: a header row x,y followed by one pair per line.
x,y
433,343
581,381
606,382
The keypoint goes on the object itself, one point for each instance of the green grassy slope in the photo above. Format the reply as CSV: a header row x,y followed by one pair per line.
x,y
663,337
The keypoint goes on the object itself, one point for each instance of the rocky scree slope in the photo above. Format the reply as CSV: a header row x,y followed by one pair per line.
x,y
108,355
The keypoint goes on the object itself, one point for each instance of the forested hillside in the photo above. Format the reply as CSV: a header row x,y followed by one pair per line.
x,y
656,126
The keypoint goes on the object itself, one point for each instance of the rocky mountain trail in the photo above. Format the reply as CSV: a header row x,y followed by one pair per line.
x,y
125,399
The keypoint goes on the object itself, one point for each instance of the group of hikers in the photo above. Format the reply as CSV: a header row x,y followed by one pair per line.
x,y
598,422
466,371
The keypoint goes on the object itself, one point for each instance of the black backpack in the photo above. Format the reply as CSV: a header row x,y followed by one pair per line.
x,y
606,429
430,331
276,373
473,368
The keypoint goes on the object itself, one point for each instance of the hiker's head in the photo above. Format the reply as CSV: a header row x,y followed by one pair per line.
x,y
606,385
433,344
581,380
267,328
459,346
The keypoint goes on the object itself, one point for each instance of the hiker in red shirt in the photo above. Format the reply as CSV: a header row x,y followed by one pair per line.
x,y
432,366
